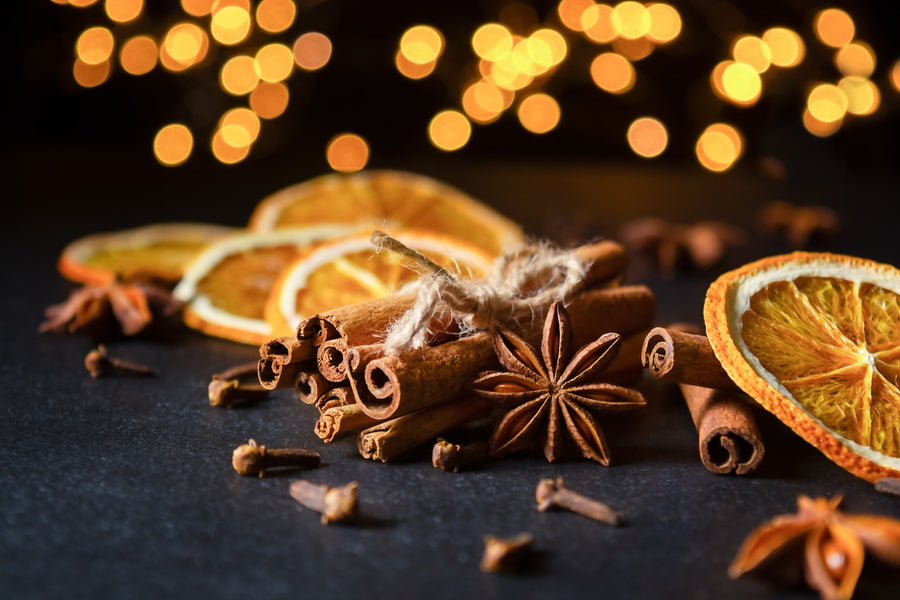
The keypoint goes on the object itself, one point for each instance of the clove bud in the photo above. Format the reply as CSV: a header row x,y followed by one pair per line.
x,y
100,364
552,493
505,554
336,504
254,459
453,457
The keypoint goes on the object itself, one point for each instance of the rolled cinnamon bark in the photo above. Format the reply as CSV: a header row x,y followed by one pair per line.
x,y
337,396
729,440
340,421
310,386
281,359
683,357
622,309
607,261
330,360
391,439
398,385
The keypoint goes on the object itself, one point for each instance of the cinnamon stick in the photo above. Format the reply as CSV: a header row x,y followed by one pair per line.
x,y
622,309
281,359
398,385
311,385
340,421
729,440
337,396
677,355
330,360
391,439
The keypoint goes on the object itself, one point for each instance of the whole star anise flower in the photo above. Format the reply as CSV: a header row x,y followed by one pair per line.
x,y
550,394
833,544
106,311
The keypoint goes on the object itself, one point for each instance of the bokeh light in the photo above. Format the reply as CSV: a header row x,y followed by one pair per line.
x,y
89,76
741,83
647,137
827,103
449,130
665,23
863,96
230,25
820,128
596,22
412,70
421,44
138,55
894,75
855,59
269,100
94,45
239,75
275,16
484,102
719,147
633,50
173,144
752,51
786,46
239,124
492,41
630,19
224,152
347,152
185,44
274,62
539,113
197,8
312,51
834,27
570,13
612,73
123,11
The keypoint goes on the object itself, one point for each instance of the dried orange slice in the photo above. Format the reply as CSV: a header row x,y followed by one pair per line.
x,y
347,270
225,287
815,339
390,200
157,252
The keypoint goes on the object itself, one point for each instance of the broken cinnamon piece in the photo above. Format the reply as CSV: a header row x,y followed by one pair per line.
x,y
453,457
390,439
729,440
336,504
100,364
502,555
254,459
677,355
281,359
552,493
340,421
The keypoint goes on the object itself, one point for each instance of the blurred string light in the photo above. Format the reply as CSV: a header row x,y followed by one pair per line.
x,y
256,75
512,63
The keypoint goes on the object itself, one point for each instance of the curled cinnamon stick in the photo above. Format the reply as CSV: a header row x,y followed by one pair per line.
x,y
398,385
336,396
391,439
281,359
676,355
311,385
729,440
623,309
330,360
340,421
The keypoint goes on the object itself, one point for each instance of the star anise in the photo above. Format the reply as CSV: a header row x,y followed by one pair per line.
x,y
675,248
833,544
548,394
107,311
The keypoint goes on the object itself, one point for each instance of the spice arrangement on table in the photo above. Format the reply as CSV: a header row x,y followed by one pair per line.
x,y
407,315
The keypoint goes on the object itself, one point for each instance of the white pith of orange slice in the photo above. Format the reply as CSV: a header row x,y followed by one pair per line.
x,y
348,270
815,339
159,250
226,286
388,200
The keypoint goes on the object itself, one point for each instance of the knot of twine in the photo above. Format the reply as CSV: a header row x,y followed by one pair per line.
x,y
522,284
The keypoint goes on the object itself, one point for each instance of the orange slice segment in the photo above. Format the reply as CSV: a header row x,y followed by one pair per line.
x,y
225,287
348,270
815,339
158,252
391,200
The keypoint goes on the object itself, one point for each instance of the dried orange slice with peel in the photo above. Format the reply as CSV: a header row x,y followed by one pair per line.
x,y
225,287
156,252
815,339
390,200
347,270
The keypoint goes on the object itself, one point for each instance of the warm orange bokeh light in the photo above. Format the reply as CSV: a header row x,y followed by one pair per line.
x,y
230,25
239,75
484,102
312,51
138,55
274,62
347,152
855,59
184,44
630,19
275,16
612,73
863,96
895,75
834,27
539,113
492,41
786,46
449,130
89,76
94,45
412,70
269,100
173,144
741,83
240,125
554,41
421,44
665,23
719,147
571,11
197,8
123,11
820,128
827,103
596,22
633,50
224,152
752,51
647,137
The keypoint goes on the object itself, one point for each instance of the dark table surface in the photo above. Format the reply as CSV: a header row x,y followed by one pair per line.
x,y
124,487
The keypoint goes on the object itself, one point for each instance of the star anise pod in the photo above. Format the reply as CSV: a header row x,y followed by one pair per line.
x,y
675,248
833,545
550,394
107,311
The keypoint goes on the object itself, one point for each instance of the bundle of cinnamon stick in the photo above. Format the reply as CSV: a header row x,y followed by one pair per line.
x,y
394,403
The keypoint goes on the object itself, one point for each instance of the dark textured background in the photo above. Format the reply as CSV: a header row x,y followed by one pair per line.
x,y
124,488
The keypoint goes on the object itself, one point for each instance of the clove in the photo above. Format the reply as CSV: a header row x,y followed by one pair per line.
x,y
226,389
453,457
505,554
254,459
552,493
99,364
336,504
